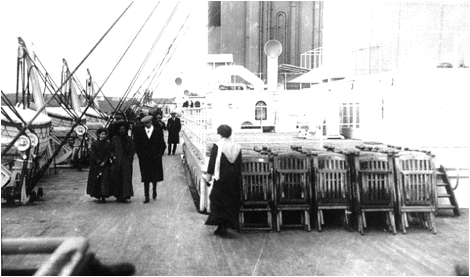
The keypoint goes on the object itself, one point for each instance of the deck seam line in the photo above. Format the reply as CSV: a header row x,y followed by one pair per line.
x,y
259,257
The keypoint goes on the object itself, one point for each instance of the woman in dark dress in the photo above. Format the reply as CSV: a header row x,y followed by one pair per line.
x,y
121,170
225,167
98,177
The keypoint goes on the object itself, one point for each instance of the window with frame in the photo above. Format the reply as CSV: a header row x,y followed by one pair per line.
x,y
349,115
261,111
367,60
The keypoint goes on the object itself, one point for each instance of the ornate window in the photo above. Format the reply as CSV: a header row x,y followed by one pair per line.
x,y
261,111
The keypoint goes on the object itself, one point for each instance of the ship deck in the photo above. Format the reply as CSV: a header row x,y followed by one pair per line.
x,y
168,236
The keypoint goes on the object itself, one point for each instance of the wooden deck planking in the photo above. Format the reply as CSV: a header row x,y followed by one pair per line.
x,y
168,236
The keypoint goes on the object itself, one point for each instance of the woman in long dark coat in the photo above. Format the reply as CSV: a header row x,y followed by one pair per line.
x,y
98,176
225,168
121,170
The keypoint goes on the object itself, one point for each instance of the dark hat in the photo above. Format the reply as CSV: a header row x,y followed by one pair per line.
x,y
146,119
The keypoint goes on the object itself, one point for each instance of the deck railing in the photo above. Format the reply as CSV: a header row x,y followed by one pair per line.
x,y
197,123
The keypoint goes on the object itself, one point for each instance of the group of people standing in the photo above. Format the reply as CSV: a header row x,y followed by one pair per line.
x,y
111,166
111,161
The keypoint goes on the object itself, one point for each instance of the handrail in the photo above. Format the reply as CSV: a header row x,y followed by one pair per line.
x,y
67,253
197,123
458,177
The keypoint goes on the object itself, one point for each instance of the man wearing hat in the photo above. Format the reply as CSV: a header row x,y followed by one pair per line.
x,y
173,126
150,147
157,121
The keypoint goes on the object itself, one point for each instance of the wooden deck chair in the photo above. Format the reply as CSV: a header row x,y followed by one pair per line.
x,y
257,190
293,188
416,188
332,185
375,187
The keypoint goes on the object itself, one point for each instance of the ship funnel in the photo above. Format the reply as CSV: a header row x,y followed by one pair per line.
x,y
272,49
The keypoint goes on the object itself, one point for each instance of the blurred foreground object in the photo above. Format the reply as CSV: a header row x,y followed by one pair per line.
x,y
69,257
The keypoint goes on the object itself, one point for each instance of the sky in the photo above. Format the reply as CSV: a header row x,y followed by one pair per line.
x,y
57,30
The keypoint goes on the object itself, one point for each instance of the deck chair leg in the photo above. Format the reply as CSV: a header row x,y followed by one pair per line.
x,y
278,221
428,220
387,221
348,219
406,220
307,220
364,219
433,223
392,222
425,221
322,218
360,224
319,220
270,220
422,220
403,223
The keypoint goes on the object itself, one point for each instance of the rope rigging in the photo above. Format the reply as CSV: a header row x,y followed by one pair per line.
x,y
62,98
12,108
88,94
158,66
59,97
167,62
121,102
42,108
106,98
85,96
122,56
15,112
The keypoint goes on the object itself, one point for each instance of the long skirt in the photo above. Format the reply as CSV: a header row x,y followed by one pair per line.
x,y
98,181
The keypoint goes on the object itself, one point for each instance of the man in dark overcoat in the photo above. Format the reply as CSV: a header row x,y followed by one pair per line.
x,y
173,126
150,147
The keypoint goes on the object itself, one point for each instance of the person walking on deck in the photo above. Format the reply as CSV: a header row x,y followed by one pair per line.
x,y
150,147
174,127
225,168
98,176
158,122
121,170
